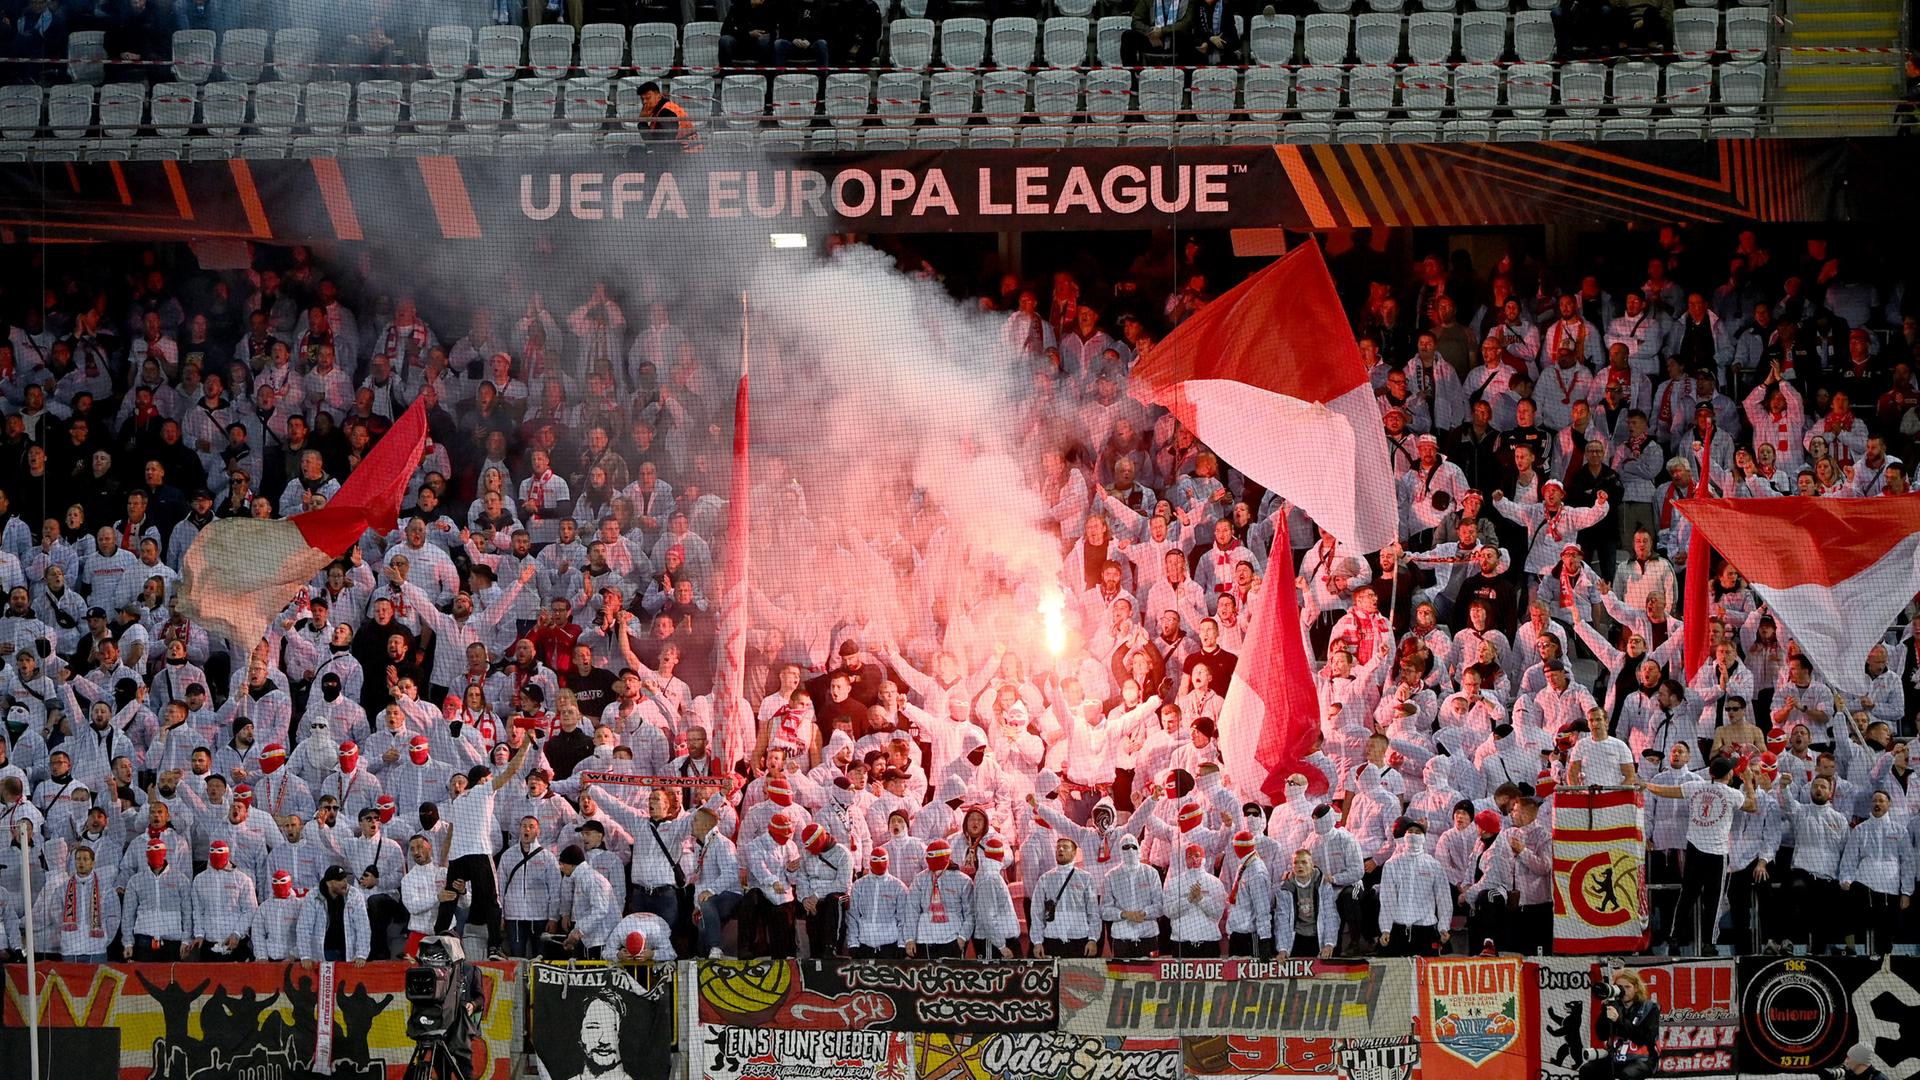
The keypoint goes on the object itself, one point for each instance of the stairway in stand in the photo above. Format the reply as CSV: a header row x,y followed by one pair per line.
x,y
1838,92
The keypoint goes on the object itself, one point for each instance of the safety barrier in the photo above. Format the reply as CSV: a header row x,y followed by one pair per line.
x,y
1466,1018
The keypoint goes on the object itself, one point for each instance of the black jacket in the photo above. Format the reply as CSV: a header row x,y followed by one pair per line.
x,y
1637,1029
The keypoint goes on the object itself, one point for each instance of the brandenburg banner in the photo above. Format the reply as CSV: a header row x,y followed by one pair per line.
x,y
1305,997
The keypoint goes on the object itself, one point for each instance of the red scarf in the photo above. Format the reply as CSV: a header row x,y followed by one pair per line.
x,y
1666,504
1838,422
937,907
70,908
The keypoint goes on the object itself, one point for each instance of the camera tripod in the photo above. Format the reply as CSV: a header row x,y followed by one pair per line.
x,y
436,1059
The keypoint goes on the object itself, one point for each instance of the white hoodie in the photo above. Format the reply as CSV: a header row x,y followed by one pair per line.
x,y
876,912
995,920
1131,886
1194,919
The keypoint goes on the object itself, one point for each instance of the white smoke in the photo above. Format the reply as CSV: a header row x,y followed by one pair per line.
x,y
908,408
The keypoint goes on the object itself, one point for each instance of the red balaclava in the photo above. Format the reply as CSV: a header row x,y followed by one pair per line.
x,y
157,854
1243,843
816,838
282,885
417,751
349,757
1190,817
939,855
272,756
780,791
386,806
219,855
780,828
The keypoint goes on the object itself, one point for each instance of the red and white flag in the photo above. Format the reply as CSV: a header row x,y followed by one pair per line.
x,y
735,737
1272,711
1270,378
1835,572
240,572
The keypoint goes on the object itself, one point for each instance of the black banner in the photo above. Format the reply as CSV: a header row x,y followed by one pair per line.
x,y
602,1020
1801,1014
504,200
881,995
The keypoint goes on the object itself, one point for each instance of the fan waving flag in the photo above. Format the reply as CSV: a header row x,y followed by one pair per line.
x,y
1269,377
1272,711
239,572
1835,572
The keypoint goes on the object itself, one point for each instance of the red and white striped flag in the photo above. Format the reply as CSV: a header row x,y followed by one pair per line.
x,y
1835,572
1269,376
1272,711
735,737
240,572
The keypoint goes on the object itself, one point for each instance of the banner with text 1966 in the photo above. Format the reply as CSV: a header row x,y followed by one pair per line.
x,y
1599,883
1307,997
1474,1022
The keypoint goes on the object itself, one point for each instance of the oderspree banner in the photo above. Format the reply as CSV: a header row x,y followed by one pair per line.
x,y
238,1021
1473,1021
880,995
1308,997
1800,1014
1042,1056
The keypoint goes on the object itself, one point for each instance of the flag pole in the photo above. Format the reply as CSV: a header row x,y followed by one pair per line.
x,y
33,974
736,740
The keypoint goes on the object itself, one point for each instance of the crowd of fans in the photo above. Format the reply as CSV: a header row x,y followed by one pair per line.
x,y
435,733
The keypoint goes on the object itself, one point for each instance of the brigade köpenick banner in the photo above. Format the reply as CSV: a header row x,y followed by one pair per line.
x,y
1307,997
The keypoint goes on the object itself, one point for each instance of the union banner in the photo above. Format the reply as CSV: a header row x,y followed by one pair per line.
x,y
1599,877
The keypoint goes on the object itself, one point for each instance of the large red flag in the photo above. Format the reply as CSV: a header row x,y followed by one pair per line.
x,y
239,572
735,737
1272,711
1834,572
1270,377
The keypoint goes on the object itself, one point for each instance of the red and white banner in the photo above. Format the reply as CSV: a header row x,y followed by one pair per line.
x,y
323,1020
1835,572
1599,873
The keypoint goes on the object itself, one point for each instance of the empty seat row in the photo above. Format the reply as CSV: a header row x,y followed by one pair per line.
x,y
778,140
898,99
